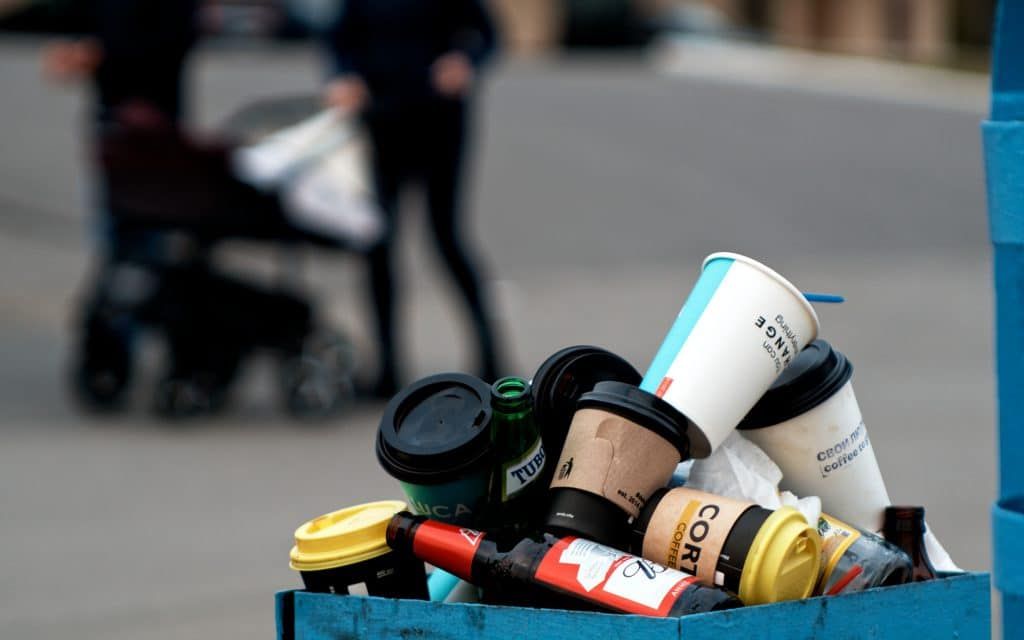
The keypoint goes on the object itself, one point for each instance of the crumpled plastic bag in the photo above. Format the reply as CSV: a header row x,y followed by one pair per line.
x,y
937,553
739,469
318,167
273,161
332,198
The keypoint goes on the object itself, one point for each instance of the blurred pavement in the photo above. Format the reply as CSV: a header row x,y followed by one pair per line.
x,y
601,186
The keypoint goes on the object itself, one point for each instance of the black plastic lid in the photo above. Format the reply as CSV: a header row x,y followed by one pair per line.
x,y
648,410
563,378
436,428
815,375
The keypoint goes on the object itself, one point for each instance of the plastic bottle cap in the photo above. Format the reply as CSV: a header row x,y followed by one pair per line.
x,y
344,537
783,561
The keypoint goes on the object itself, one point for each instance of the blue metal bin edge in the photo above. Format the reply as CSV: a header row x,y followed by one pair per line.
x,y
1007,538
954,607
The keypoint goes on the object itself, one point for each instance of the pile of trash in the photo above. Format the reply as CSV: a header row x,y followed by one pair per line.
x,y
736,471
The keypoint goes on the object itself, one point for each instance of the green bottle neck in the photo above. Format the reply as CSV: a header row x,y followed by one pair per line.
x,y
511,397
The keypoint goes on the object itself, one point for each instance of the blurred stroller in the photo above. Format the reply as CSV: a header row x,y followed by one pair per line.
x,y
173,198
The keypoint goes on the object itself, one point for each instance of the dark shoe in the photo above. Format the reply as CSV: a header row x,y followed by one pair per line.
x,y
103,367
188,397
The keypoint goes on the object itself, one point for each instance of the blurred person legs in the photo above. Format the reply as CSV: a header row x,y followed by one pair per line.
x,y
408,66
129,51
116,296
444,177
390,170
424,143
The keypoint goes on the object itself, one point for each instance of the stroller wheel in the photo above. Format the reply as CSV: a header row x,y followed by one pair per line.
x,y
103,369
185,398
100,389
318,382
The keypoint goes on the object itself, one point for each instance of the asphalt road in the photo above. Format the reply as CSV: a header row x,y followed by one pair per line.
x,y
601,185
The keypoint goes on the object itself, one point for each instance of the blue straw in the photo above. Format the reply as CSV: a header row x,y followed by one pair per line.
x,y
824,297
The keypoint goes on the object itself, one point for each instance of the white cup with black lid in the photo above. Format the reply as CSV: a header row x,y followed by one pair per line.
x,y
809,423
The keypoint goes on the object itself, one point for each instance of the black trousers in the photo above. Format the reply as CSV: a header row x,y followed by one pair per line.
x,y
425,144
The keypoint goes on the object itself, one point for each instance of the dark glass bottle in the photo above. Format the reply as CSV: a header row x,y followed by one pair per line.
x,y
550,571
516,492
905,528
854,560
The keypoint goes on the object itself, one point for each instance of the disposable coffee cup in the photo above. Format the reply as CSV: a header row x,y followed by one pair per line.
x,y
761,555
559,383
345,548
740,327
622,446
434,438
810,424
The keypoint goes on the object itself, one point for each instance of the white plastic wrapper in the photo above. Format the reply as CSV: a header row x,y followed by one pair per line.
x,y
280,157
331,198
739,469
937,553
318,167
681,474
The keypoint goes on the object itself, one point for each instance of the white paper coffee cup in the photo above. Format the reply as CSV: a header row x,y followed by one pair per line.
x,y
810,425
740,327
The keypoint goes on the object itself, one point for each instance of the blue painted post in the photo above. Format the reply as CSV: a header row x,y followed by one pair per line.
x,y
1004,164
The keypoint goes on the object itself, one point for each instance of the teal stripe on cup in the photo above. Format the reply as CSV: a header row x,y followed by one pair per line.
x,y
712,276
461,501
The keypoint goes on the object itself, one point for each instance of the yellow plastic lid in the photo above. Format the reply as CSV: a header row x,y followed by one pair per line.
x,y
783,561
344,537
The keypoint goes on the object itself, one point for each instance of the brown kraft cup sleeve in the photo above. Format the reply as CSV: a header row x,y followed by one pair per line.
x,y
611,456
672,539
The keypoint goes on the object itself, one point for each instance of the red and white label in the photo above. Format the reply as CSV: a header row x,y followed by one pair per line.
x,y
610,578
447,546
471,536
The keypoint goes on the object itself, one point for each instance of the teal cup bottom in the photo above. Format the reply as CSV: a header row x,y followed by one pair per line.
x,y
461,501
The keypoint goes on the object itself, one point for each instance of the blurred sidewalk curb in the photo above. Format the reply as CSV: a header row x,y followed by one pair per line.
x,y
783,68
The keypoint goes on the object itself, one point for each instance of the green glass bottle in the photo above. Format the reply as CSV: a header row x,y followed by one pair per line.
x,y
516,492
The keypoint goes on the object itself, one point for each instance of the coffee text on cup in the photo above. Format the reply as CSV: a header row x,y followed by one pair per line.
x,y
843,452
685,547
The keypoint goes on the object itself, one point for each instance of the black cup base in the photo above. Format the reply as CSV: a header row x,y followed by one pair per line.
x,y
388,576
584,514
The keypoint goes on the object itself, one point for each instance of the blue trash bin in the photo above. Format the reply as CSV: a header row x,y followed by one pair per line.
x,y
955,606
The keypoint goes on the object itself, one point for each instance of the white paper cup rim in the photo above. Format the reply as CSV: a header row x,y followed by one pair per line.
x,y
775,275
